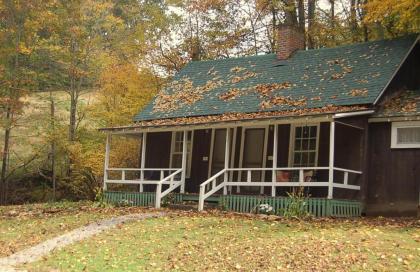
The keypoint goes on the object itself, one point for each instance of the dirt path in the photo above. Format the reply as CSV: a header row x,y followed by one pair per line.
x,y
35,253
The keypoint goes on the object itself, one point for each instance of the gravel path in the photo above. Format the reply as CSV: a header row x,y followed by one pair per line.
x,y
37,252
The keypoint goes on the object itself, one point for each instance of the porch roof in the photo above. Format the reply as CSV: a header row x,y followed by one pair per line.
x,y
309,81
235,119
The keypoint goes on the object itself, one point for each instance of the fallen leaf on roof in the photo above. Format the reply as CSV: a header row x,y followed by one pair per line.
x,y
182,92
231,94
212,71
337,75
283,101
404,101
243,75
358,92
266,89
237,69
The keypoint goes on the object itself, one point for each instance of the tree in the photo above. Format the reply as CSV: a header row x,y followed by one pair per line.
x,y
19,26
396,16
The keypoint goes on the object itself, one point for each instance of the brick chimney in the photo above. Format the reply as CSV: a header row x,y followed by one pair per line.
x,y
289,39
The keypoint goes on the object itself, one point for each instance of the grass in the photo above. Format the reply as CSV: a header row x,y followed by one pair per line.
x,y
27,225
223,242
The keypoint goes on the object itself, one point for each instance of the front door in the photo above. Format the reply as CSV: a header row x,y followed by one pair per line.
x,y
253,154
218,156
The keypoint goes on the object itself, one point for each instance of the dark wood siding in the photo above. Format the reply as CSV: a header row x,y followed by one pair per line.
x,y
394,175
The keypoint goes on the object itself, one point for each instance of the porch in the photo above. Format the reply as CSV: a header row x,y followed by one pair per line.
x,y
255,161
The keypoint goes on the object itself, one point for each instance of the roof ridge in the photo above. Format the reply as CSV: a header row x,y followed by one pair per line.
x,y
305,50
363,43
234,58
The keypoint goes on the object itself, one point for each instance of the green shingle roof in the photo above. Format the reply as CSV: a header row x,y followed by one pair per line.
x,y
342,76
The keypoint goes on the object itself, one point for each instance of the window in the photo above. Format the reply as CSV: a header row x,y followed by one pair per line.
x,y
176,150
405,134
303,145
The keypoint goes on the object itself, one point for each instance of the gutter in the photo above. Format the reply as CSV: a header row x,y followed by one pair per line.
x,y
351,114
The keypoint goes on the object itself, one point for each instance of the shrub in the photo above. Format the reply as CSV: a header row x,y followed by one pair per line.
x,y
297,204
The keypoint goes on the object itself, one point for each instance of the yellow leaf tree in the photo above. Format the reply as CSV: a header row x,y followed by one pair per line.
x,y
397,16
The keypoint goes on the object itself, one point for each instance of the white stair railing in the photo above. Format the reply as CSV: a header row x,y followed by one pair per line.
x,y
172,186
213,188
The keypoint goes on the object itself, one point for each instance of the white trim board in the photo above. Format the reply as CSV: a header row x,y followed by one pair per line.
x,y
393,119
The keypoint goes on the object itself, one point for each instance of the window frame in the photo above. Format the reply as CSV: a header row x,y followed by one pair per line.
x,y
293,139
189,155
394,134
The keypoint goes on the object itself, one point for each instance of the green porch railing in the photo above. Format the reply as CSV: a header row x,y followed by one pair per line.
x,y
320,207
130,198
136,199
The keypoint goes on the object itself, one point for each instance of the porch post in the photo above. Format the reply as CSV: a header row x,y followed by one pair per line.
x,y
184,160
275,150
106,162
331,161
143,159
227,156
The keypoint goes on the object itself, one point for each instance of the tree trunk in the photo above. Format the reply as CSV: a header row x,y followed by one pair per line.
x,y
301,14
353,20
362,16
274,22
53,147
290,13
5,156
332,19
311,21
73,112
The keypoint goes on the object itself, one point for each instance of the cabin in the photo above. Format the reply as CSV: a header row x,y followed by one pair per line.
x,y
342,125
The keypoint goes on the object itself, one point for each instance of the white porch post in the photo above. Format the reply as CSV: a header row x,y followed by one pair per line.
x,y
331,161
158,195
106,162
143,158
184,160
227,156
275,150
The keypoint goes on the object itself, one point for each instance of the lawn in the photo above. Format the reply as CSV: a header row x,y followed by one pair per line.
x,y
27,225
226,242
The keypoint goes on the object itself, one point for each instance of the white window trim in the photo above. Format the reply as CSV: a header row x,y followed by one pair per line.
x,y
397,125
292,141
189,160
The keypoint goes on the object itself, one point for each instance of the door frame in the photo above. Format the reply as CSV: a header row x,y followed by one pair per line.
x,y
232,154
264,159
